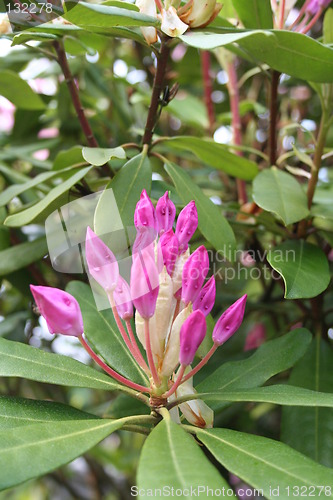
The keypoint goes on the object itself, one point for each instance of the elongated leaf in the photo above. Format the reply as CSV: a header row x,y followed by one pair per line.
x,y
99,156
22,255
171,458
310,430
303,267
101,330
271,358
17,412
279,192
19,360
254,14
18,91
216,156
288,52
212,224
269,466
30,451
30,214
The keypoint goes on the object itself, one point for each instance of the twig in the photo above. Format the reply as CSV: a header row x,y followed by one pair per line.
x,y
208,87
273,117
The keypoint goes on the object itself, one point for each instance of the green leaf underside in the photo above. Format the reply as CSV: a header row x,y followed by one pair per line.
x,y
170,457
19,360
285,51
101,330
303,267
215,155
269,359
100,156
31,451
212,224
22,255
278,192
17,412
266,464
310,430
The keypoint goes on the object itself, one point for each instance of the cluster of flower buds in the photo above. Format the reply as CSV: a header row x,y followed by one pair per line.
x,y
171,297
307,16
175,18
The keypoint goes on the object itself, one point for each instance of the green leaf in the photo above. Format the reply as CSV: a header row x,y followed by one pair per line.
x,y
278,192
22,255
100,156
310,430
303,267
68,158
328,26
19,360
17,412
215,155
267,465
171,457
212,224
269,359
101,330
254,14
29,215
127,185
31,451
18,91
27,37
285,51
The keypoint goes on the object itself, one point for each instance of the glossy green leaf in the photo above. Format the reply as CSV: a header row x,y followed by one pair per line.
x,y
100,156
30,214
280,193
19,360
31,451
269,359
303,267
17,412
22,255
68,158
254,14
267,465
101,330
170,457
215,155
18,91
212,224
27,37
310,430
285,51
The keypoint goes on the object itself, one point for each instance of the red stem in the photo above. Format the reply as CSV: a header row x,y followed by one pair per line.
x,y
139,358
208,87
177,383
282,10
312,22
201,364
151,363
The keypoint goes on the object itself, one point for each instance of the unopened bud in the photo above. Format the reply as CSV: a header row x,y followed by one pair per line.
x,y
194,273
192,333
206,298
102,263
230,321
186,226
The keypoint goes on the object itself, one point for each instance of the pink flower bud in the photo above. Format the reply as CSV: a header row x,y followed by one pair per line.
x,y
102,264
230,321
60,310
169,247
194,273
255,337
122,299
144,240
165,213
315,5
206,298
144,284
187,224
192,333
144,215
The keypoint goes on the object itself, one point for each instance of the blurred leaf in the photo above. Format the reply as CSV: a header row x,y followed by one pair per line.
x,y
13,323
68,157
27,37
18,91
285,51
212,224
310,430
279,192
269,359
100,156
215,155
254,14
171,457
22,255
328,27
303,267
265,464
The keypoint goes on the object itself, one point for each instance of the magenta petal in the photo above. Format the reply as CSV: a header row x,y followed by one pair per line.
x,y
206,298
169,246
60,310
230,321
194,273
165,213
145,215
186,226
144,284
192,333
102,264
122,299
